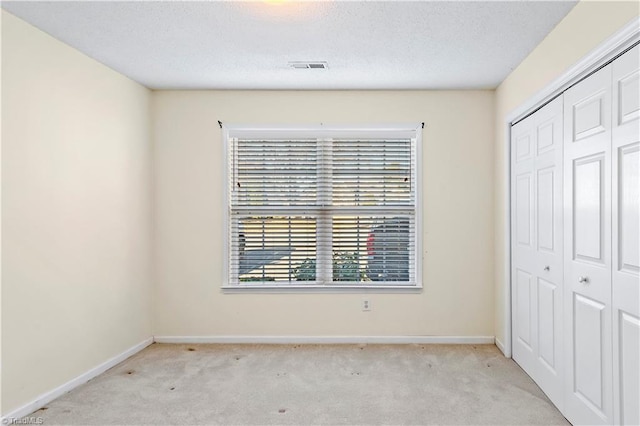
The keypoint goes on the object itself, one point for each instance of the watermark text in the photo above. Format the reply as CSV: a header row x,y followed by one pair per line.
x,y
29,420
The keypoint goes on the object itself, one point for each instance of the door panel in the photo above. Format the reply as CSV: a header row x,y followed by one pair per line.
x,y
626,236
523,147
627,203
537,247
629,106
546,205
523,209
629,339
523,296
547,323
589,117
587,247
587,209
547,138
589,350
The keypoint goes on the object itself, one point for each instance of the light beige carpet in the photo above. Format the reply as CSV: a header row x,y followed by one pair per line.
x,y
308,384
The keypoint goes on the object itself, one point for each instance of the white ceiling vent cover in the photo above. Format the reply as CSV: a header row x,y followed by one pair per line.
x,y
315,65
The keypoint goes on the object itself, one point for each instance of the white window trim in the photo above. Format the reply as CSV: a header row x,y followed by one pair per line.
x,y
409,130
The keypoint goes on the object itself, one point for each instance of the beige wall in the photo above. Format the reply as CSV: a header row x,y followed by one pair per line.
x,y
458,216
75,213
587,25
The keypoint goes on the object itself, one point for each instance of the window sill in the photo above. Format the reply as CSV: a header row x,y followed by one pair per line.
x,y
382,289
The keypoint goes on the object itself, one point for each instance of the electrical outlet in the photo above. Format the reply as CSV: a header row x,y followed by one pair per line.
x,y
366,304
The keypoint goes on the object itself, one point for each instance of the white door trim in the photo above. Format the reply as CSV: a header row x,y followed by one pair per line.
x,y
620,41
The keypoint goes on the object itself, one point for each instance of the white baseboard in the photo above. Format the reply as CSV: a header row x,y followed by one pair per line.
x,y
326,339
502,348
47,397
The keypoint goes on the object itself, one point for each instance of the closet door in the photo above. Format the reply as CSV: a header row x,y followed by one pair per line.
x,y
549,262
537,247
587,244
626,233
523,245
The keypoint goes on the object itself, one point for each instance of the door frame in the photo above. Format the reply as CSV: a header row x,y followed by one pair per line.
x,y
608,50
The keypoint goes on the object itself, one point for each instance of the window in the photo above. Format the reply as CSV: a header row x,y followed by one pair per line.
x,y
323,207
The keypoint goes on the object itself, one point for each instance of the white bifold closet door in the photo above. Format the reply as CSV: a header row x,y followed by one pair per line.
x,y
587,228
536,197
602,233
575,238
626,235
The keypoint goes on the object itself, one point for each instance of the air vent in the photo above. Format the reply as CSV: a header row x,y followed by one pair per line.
x,y
316,65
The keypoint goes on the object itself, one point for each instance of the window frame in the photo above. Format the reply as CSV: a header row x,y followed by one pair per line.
x,y
322,131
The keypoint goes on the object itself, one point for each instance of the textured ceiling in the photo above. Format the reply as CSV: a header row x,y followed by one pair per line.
x,y
247,45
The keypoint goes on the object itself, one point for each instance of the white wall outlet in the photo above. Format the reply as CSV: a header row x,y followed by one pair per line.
x,y
366,304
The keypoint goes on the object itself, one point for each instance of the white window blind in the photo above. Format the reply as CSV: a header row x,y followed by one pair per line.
x,y
322,211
